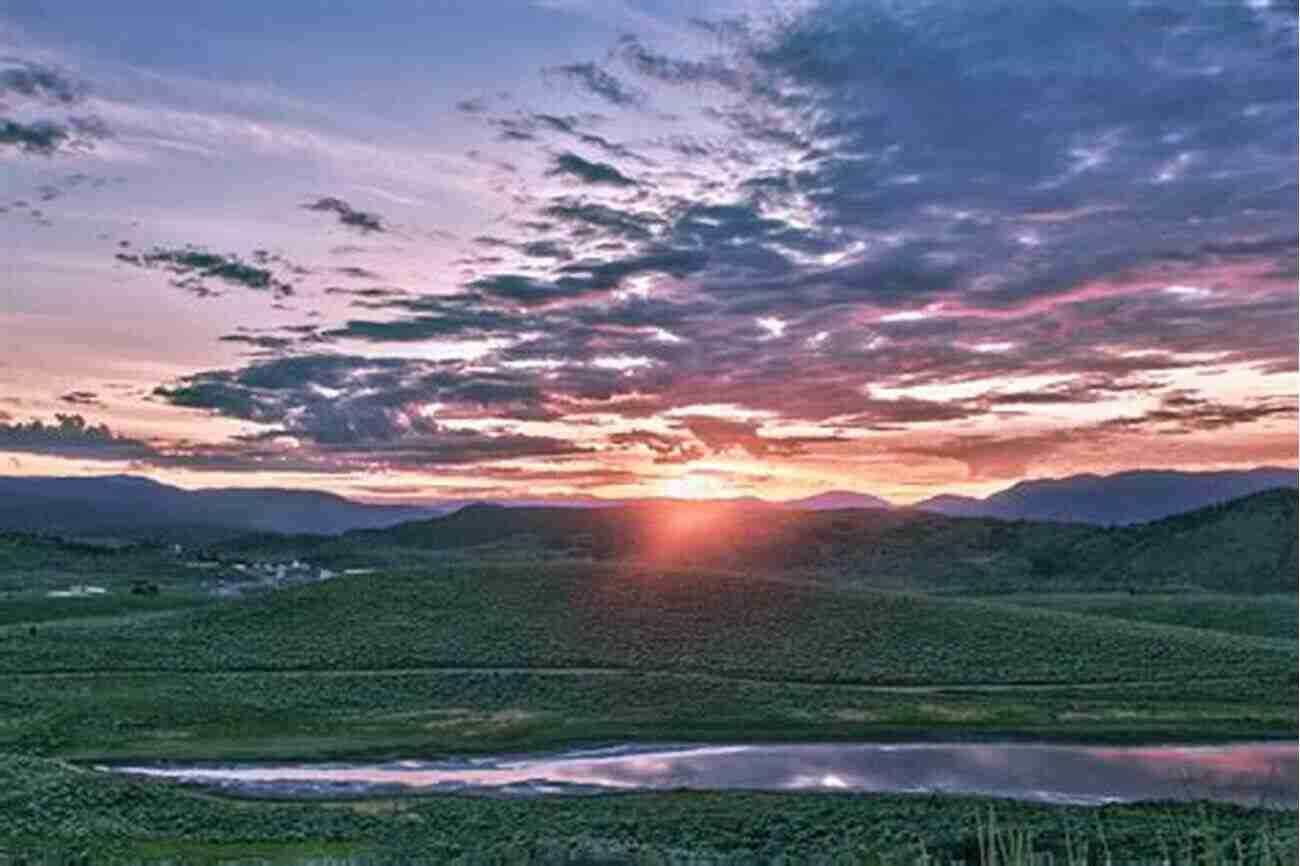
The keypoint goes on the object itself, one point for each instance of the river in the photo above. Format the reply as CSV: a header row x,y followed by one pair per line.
x,y
1250,773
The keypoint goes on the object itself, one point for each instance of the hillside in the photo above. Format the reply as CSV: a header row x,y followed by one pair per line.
x,y
579,615
519,629
1248,545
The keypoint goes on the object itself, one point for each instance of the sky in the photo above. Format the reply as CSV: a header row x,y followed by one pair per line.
x,y
413,250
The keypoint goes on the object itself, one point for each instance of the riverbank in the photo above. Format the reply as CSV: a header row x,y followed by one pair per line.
x,y
331,715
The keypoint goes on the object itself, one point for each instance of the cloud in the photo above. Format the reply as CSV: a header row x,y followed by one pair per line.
x,y
363,221
80,398
721,434
70,436
952,218
269,342
195,268
1181,412
600,83
47,137
572,165
37,86
585,277
41,83
665,447
655,65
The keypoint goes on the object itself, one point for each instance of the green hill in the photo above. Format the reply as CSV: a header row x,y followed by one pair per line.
x,y
1248,545
582,615
518,629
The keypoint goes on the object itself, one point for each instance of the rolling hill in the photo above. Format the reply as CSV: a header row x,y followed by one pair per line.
x,y
1246,545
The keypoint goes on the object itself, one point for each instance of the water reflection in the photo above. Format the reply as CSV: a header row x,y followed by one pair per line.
x,y
1252,774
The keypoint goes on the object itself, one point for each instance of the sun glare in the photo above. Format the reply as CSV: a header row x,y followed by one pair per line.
x,y
696,487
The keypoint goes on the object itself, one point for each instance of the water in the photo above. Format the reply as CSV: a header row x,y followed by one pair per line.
x,y
1251,774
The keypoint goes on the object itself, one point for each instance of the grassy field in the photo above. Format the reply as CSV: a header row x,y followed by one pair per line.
x,y
477,657
543,639
1270,616
32,567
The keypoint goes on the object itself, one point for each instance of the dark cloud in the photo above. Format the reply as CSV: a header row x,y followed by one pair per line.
x,y
651,64
597,217
666,448
80,398
363,221
195,269
47,137
334,398
572,165
269,342
70,436
41,83
585,277
600,83
357,273
446,319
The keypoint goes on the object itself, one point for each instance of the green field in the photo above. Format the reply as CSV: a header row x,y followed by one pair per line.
x,y
480,656
1270,616
544,636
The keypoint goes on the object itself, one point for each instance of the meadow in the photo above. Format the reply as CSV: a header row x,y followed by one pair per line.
x,y
554,631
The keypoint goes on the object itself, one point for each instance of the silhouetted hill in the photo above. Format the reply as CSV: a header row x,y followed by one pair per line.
x,y
1247,545
126,504
1113,500
833,499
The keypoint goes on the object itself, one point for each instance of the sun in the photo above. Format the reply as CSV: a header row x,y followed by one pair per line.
x,y
695,487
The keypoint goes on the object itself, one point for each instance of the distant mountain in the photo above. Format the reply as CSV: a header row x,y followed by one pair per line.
x,y
128,504
836,499
132,505
1113,500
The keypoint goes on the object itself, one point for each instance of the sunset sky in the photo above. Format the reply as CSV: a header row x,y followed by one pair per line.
x,y
419,250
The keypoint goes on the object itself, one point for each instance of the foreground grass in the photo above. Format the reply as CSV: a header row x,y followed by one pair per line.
x,y
46,806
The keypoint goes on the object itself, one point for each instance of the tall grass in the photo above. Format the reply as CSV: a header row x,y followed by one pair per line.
x,y
991,842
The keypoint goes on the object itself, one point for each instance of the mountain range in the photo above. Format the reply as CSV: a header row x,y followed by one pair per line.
x,y
1113,500
127,504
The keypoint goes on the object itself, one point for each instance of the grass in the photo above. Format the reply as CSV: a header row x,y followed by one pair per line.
x,y
567,652
1270,616
266,715
575,615
533,643
32,566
